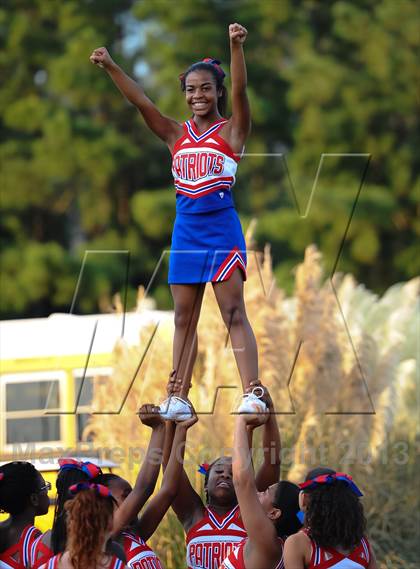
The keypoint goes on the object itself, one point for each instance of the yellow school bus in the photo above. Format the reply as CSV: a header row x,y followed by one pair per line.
x,y
47,366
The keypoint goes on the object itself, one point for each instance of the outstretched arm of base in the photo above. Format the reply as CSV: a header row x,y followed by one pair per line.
x,y
159,504
187,505
262,536
269,471
147,476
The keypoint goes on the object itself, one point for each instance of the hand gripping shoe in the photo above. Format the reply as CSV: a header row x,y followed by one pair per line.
x,y
252,402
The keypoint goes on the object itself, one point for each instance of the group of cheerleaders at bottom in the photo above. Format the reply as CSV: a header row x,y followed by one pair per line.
x,y
248,520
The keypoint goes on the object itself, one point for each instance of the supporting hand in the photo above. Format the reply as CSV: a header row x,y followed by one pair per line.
x,y
254,420
266,397
174,384
187,423
149,415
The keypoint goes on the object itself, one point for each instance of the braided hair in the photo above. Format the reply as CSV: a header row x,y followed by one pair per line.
x,y
213,67
334,514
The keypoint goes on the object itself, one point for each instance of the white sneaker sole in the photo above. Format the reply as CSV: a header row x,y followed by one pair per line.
x,y
252,403
175,409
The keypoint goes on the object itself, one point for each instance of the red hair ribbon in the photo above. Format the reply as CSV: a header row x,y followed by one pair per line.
x,y
100,489
203,468
1,475
216,64
91,470
330,479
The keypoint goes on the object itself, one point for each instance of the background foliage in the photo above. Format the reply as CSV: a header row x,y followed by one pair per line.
x,y
80,171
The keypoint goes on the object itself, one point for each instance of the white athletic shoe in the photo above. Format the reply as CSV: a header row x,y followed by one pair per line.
x,y
175,409
252,402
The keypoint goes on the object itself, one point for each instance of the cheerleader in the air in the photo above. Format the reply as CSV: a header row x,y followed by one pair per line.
x,y
207,240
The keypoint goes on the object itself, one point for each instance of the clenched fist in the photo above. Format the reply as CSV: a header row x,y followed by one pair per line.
x,y
101,57
237,33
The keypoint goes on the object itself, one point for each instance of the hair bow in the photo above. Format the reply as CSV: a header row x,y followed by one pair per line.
x,y
330,479
216,63
1,475
91,470
100,489
203,468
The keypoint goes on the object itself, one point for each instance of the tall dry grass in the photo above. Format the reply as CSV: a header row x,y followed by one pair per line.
x,y
340,365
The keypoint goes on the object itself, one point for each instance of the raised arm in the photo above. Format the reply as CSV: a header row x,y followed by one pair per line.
x,y
165,128
269,471
187,505
148,473
262,546
241,115
159,504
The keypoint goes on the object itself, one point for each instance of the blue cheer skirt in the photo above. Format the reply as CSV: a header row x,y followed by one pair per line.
x,y
206,247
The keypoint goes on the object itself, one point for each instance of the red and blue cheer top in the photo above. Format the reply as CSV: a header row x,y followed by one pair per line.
x,y
204,168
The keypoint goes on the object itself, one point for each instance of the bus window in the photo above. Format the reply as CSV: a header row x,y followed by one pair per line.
x,y
26,401
27,395
83,395
33,430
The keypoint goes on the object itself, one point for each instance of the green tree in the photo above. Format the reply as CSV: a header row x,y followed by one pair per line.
x,y
353,88
80,170
72,157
